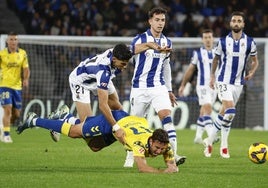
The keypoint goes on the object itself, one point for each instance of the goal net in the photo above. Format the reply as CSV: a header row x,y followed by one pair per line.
x,y
52,58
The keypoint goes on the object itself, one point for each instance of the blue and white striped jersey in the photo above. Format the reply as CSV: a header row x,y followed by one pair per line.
x,y
234,54
148,71
203,58
96,71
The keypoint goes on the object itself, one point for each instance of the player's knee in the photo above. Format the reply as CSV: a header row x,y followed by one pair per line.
x,y
228,116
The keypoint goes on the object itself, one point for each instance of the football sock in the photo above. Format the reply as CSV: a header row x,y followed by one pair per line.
x,y
6,131
216,126
55,125
207,123
228,117
169,127
199,128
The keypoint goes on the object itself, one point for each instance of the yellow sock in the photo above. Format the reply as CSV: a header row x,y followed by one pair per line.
x,y
65,129
6,129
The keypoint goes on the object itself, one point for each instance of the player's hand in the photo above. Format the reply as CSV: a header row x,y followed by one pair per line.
x,y
212,82
164,49
249,76
25,83
180,91
120,135
173,99
171,169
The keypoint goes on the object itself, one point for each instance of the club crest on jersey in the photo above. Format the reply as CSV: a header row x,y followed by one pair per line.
x,y
103,84
163,44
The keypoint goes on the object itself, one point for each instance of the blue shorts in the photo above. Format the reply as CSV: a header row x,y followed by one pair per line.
x,y
10,96
98,125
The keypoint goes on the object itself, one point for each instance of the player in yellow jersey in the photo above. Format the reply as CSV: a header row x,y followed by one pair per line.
x,y
97,133
14,74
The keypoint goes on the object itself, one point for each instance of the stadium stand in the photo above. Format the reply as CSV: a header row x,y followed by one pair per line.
x,y
128,17
9,20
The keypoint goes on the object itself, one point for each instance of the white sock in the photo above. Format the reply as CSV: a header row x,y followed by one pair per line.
x,y
224,136
199,128
169,127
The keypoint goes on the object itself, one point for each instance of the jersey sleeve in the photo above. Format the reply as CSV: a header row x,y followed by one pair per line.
x,y
103,77
194,58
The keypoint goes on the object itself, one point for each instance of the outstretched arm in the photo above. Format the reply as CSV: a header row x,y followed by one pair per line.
x,y
145,168
150,45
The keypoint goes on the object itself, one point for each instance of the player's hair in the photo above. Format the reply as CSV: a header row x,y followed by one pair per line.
x,y
207,31
156,10
122,52
238,13
12,33
161,135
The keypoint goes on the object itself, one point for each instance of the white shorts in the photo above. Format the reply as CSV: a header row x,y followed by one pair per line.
x,y
141,99
206,95
81,92
229,92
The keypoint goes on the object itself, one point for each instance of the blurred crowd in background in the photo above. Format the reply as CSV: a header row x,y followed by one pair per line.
x,y
186,18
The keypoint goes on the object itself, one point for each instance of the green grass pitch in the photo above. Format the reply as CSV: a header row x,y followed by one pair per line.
x,y
34,160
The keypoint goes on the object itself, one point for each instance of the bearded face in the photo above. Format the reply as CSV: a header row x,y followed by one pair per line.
x,y
237,24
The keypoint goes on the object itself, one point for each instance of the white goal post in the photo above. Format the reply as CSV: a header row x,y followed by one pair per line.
x,y
51,59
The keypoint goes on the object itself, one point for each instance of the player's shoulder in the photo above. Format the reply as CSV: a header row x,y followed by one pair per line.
x,y
20,50
3,51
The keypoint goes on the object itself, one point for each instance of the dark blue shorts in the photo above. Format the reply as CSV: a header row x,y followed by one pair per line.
x,y
98,125
10,96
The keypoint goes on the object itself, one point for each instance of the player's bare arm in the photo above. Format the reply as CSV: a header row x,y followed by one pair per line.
x,y
172,98
105,109
188,74
26,76
213,70
254,66
150,45
145,168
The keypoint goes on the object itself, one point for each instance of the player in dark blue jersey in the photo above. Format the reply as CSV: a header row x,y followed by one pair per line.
x,y
98,133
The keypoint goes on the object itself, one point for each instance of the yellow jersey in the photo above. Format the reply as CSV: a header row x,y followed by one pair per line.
x,y
137,133
11,66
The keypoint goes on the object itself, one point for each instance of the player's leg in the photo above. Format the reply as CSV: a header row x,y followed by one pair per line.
x,y
5,137
83,110
81,97
204,122
212,134
162,105
62,113
139,102
11,102
200,127
59,126
229,114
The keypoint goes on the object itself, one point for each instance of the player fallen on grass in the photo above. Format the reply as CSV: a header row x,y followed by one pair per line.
x,y
97,133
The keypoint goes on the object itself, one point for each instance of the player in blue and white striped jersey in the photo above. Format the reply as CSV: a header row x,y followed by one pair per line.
x,y
151,82
202,62
95,75
233,52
